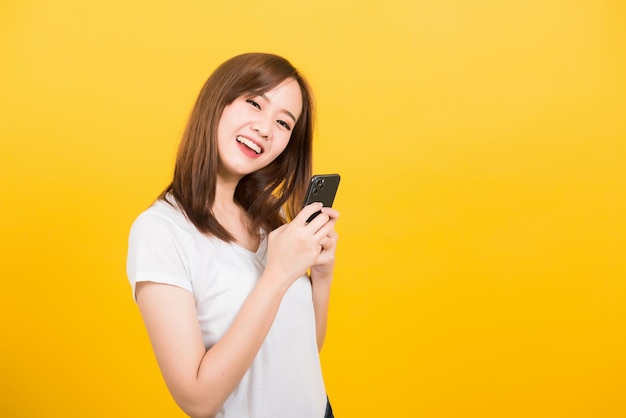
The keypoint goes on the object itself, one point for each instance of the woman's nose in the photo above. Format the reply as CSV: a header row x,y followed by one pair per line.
x,y
262,126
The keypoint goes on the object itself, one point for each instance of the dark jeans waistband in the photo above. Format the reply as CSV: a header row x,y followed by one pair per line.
x,y
329,410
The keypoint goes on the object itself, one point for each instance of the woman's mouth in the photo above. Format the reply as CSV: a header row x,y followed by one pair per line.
x,y
249,144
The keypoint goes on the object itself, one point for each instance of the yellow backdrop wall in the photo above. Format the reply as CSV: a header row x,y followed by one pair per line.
x,y
481,146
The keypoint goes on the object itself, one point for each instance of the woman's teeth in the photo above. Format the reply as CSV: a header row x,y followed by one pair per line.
x,y
245,141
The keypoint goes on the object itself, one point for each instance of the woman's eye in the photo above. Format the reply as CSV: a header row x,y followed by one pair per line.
x,y
284,124
253,103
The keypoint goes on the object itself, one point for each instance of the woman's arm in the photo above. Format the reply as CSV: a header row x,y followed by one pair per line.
x,y
201,380
321,279
321,297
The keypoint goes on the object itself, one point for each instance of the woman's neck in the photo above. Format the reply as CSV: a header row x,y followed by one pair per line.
x,y
225,194
232,216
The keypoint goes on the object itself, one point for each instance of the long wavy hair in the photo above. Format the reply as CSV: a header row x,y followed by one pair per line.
x,y
270,196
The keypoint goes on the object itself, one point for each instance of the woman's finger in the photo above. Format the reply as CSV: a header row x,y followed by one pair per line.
x,y
307,212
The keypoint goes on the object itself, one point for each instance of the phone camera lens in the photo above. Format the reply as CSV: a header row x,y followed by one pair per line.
x,y
315,191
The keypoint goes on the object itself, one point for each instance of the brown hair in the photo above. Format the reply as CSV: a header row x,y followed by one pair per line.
x,y
270,196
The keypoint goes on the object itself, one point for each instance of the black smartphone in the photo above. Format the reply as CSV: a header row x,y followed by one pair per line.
x,y
322,188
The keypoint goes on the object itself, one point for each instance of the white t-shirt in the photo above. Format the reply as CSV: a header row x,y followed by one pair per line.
x,y
285,379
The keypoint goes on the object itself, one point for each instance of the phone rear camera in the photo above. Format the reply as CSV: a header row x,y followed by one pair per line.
x,y
315,191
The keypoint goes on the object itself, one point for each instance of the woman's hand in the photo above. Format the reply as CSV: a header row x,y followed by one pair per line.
x,y
324,264
295,247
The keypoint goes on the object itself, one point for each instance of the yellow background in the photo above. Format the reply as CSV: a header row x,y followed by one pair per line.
x,y
481,144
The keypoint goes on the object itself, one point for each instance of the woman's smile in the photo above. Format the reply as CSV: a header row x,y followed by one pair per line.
x,y
248,145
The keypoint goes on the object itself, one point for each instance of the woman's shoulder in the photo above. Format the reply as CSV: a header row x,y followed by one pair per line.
x,y
161,216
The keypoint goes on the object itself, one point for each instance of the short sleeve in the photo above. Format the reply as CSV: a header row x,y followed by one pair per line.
x,y
156,252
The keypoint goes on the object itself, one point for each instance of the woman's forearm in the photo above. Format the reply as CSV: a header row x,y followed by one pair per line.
x,y
201,380
321,300
224,365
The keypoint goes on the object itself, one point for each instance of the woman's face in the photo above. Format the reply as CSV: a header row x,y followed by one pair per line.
x,y
254,130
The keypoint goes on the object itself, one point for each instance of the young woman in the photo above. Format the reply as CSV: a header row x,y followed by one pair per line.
x,y
231,280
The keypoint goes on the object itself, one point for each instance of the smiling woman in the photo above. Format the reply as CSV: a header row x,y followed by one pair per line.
x,y
219,273
481,146
257,127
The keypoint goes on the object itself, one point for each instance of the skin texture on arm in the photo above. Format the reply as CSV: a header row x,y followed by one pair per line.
x,y
201,380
